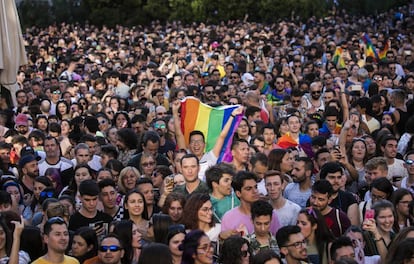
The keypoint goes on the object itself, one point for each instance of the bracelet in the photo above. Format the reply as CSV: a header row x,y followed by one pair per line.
x,y
376,240
232,115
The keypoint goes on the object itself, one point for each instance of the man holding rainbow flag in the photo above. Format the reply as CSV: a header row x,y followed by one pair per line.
x,y
206,131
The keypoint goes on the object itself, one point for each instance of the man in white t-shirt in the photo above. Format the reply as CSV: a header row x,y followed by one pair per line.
x,y
286,210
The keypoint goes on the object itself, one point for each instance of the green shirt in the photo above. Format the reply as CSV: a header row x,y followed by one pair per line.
x,y
221,206
201,188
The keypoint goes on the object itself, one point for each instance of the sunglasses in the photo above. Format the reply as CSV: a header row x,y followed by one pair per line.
x,y
316,92
56,220
147,164
112,248
159,126
409,162
46,194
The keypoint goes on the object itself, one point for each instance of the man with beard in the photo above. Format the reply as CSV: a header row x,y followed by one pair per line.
x,y
292,245
240,153
300,189
239,219
22,125
336,220
160,126
54,159
313,101
29,169
208,93
333,172
56,237
395,166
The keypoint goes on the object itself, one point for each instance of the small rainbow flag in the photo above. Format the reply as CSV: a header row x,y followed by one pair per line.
x,y
196,115
370,49
383,53
337,58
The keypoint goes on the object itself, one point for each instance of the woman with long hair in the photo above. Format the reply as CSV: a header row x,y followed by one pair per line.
x,y
82,172
158,227
357,156
198,213
136,210
235,250
317,234
40,183
85,245
196,248
380,230
156,253
62,110
401,199
406,233
53,174
131,238
403,253
175,238
280,160
173,206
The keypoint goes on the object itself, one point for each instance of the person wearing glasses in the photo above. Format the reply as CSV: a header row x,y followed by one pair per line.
x,y
166,144
313,101
235,250
196,248
408,182
110,250
292,245
56,237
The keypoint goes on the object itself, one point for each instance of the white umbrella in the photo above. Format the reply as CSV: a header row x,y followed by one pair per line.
x,y
12,52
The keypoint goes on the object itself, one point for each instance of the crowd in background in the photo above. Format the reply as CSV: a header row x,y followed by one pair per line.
x,y
94,159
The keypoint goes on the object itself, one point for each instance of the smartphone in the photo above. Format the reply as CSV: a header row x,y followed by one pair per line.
x,y
169,181
369,214
152,109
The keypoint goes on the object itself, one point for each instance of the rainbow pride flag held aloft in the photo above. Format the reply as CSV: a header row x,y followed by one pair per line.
x,y
370,49
210,120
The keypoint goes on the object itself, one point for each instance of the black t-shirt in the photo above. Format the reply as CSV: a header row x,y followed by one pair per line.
x,y
343,201
78,220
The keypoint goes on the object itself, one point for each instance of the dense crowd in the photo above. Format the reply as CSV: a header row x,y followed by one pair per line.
x,y
95,161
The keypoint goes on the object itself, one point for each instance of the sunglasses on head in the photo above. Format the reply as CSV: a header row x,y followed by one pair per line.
x,y
56,220
112,248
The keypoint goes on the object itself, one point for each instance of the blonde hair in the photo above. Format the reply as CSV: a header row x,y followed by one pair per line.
x,y
122,174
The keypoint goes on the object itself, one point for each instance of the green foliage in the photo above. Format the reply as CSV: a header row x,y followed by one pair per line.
x,y
133,12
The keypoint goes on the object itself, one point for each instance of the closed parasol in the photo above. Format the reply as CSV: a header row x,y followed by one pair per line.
x,y
12,52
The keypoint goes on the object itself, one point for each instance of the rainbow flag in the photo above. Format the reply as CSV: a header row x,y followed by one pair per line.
x,y
196,115
383,53
370,49
338,58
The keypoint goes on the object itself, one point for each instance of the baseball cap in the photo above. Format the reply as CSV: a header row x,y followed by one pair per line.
x,y
21,120
26,159
28,150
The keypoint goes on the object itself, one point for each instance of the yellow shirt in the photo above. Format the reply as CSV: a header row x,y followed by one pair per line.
x,y
67,260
